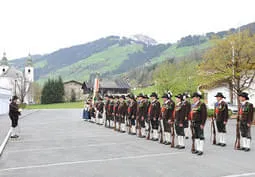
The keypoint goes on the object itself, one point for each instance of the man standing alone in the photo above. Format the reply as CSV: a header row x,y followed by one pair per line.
x,y
14,113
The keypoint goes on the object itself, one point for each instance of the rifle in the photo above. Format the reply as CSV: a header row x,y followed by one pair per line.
x,y
136,124
237,143
149,130
126,122
161,130
173,135
193,137
213,130
114,117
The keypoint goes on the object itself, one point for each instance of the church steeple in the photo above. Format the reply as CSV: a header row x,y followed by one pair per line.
x,y
4,61
29,69
4,66
29,62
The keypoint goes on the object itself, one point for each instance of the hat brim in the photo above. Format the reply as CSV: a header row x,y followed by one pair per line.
x,y
197,96
244,96
220,96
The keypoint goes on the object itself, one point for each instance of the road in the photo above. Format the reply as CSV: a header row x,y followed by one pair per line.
x,y
56,143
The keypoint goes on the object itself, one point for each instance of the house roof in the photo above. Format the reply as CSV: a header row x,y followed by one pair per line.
x,y
106,83
77,82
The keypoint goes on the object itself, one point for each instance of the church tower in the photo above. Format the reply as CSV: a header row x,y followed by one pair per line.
x,y
29,69
4,66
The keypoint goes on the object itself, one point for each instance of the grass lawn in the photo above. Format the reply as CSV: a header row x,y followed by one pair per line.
x,y
56,106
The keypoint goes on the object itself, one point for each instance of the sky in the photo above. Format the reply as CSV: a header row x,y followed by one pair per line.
x,y
43,26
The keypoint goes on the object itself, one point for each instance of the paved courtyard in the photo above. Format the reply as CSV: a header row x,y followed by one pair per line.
x,y
58,143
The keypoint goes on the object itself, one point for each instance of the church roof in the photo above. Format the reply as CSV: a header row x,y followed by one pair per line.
x,y
29,61
4,60
12,73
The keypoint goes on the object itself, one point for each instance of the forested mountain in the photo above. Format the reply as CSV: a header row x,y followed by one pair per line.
x,y
116,56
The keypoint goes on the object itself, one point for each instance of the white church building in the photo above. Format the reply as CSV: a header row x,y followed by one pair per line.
x,y
15,82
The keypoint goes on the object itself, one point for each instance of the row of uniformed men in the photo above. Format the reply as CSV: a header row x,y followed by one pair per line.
x,y
143,117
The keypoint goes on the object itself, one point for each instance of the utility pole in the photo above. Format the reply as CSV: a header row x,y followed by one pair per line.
x,y
233,70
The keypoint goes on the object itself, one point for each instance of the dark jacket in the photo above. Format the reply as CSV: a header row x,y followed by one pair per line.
x,y
154,109
115,107
187,108
199,113
167,110
110,108
246,112
14,111
141,109
179,113
122,109
221,111
132,108
100,107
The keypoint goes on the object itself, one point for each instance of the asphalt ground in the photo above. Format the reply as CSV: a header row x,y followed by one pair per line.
x,y
58,143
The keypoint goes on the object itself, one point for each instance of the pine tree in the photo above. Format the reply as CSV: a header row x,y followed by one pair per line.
x,y
53,91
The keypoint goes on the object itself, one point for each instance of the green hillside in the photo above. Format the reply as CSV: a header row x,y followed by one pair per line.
x,y
102,62
177,52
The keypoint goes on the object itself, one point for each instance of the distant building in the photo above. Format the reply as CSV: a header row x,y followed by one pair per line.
x,y
106,86
76,87
19,82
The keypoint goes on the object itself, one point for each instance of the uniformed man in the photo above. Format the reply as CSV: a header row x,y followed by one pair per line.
x,y
14,113
115,111
198,119
111,111
122,111
106,104
187,108
245,116
141,111
132,108
167,110
154,113
100,111
91,111
147,120
179,118
110,115
221,116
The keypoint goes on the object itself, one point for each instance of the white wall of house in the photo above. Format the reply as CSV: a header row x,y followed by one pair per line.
x,y
211,100
210,95
5,96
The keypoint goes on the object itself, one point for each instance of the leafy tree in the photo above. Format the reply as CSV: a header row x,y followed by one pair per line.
x,y
231,60
176,77
37,93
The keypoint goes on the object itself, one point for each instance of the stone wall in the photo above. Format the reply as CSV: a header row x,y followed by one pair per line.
x,y
77,89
